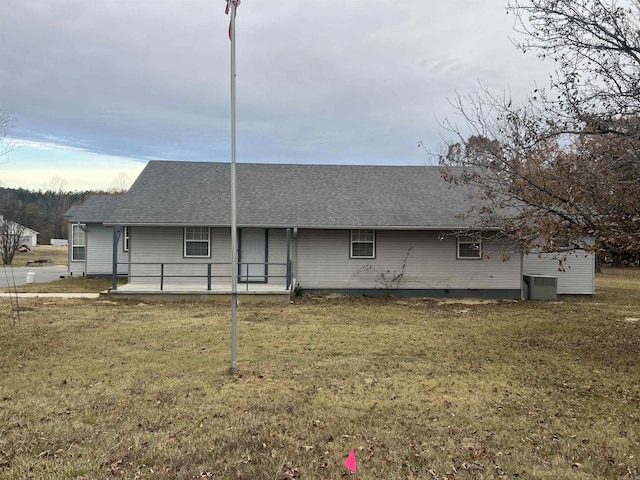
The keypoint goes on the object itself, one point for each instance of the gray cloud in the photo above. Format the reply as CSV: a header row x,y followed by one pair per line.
x,y
350,81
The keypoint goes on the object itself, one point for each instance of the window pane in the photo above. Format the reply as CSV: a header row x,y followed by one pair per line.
x,y
469,250
363,243
77,235
197,233
197,249
363,249
78,253
196,241
362,235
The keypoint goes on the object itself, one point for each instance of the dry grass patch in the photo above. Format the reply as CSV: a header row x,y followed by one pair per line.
x,y
96,389
68,285
58,255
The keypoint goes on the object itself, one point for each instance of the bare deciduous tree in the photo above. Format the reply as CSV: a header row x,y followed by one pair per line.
x,y
563,169
596,45
5,122
57,202
10,239
13,217
120,183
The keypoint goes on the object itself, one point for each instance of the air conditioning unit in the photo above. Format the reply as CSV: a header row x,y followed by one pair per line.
x,y
541,287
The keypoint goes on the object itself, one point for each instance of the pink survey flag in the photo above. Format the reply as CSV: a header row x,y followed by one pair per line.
x,y
350,462
226,12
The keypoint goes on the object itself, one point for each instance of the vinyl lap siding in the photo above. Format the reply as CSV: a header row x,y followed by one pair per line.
x,y
151,246
100,251
76,269
221,253
323,262
575,277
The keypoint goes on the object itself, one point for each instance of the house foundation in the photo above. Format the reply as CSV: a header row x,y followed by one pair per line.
x,y
186,293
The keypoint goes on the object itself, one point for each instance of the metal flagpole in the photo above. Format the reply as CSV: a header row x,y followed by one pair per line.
x,y
233,5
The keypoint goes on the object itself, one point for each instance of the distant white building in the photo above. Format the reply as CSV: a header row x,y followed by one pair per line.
x,y
29,236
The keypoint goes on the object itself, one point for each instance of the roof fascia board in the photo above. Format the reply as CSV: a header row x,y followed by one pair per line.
x,y
310,227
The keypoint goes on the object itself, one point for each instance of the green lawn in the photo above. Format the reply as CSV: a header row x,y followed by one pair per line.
x,y
420,389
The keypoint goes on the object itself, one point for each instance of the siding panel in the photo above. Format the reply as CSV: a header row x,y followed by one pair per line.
x,y
151,246
165,245
323,262
575,277
100,250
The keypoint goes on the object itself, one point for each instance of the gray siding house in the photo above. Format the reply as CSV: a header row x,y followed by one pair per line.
x,y
90,241
355,229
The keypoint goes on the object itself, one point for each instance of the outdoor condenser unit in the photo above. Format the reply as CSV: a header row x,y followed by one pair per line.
x,y
541,287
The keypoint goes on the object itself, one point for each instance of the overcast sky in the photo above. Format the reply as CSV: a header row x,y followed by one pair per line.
x,y
99,87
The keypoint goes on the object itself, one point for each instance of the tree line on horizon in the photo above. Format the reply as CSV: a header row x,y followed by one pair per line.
x,y
42,210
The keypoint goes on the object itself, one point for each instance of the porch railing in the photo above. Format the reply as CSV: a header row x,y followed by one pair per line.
x,y
245,274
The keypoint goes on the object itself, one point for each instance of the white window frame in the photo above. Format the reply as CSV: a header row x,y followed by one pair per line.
x,y
82,228
353,242
469,239
125,239
187,241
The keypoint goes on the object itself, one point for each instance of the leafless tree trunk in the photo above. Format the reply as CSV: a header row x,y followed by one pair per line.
x,y
11,233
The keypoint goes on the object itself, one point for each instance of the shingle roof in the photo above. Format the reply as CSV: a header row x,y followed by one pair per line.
x,y
278,195
71,210
96,209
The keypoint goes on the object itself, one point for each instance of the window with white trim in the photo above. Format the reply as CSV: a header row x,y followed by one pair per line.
x,y
125,239
78,243
470,246
197,241
363,244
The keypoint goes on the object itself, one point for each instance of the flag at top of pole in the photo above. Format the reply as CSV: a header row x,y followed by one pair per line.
x,y
235,4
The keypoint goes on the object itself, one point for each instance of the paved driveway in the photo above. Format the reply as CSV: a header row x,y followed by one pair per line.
x,y
9,275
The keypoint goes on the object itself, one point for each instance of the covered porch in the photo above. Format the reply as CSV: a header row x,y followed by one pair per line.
x,y
157,266
265,282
